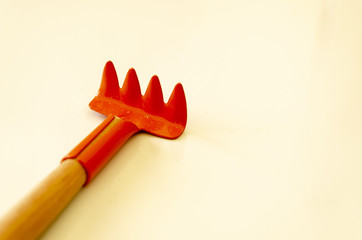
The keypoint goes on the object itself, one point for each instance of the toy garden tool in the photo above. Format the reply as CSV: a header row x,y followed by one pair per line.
x,y
128,112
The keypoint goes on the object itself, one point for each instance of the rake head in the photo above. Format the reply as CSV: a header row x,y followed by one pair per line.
x,y
148,112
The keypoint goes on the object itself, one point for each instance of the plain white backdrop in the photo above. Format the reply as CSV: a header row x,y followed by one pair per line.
x,y
272,149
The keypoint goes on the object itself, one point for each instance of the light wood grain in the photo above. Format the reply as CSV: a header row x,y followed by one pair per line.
x,y
40,207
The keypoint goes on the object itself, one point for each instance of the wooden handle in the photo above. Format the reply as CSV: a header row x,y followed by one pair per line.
x,y
39,208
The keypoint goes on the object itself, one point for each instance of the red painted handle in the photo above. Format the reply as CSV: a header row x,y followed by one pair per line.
x,y
98,147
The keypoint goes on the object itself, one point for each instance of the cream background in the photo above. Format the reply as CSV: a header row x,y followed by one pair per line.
x,y
272,149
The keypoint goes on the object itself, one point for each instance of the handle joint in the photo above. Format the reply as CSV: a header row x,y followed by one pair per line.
x,y
99,146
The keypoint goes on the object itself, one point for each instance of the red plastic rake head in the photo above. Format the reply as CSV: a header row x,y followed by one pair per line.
x,y
149,112
128,112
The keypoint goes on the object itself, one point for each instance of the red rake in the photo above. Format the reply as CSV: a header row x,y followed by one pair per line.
x,y
128,113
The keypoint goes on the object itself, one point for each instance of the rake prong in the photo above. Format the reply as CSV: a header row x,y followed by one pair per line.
x,y
153,98
176,105
109,86
131,90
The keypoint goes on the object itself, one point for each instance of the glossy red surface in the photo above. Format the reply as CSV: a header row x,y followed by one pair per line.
x,y
128,112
